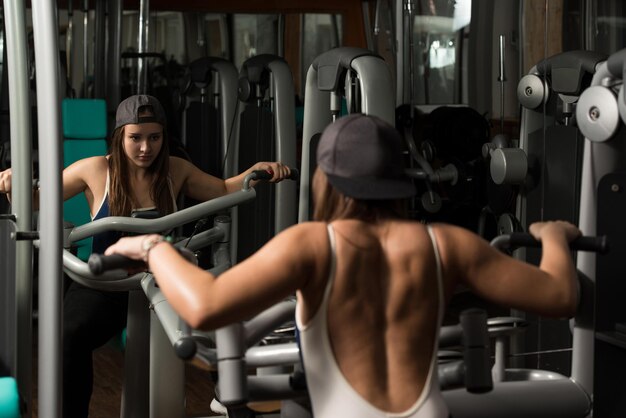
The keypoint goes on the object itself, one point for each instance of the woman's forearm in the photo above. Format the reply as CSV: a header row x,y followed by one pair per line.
x,y
186,286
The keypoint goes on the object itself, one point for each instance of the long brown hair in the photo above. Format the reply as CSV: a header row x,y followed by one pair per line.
x,y
330,204
120,192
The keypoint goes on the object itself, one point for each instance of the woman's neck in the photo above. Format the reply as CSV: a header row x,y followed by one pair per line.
x,y
139,173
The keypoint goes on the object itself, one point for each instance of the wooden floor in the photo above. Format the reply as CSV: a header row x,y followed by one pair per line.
x,y
107,389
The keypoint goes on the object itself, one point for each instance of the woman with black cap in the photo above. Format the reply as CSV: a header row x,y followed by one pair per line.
x,y
371,286
137,174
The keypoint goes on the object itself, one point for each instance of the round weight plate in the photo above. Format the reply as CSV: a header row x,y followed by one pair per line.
x,y
531,91
597,114
508,166
507,224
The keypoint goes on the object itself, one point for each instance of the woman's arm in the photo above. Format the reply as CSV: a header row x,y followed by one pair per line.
x,y
277,270
5,182
202,186
6,185
550,289
76,178
278,170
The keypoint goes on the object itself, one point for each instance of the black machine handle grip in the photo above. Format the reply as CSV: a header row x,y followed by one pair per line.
x,y
598,244
100,263
260,175
294,174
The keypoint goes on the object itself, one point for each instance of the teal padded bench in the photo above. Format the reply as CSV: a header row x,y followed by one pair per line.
x,y
84,133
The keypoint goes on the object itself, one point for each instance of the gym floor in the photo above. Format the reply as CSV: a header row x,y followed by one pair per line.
x,y
107,389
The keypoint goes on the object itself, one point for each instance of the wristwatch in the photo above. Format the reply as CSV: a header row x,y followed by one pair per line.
x,y
150,242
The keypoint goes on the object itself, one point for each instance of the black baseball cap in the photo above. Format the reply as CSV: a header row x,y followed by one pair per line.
x,y
362,156
128,111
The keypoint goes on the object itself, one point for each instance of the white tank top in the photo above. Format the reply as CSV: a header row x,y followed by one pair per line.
x,y
331,394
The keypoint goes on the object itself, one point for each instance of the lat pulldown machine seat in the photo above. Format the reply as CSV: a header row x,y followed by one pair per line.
x,y
84,133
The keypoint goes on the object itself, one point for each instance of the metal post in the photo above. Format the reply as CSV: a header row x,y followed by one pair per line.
x,y
22,189
69,41
285,140
409,8
99,52
144,32
114,52
400,54
85,46
51,209
501,80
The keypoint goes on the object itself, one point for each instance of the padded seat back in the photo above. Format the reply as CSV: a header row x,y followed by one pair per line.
x,y
84,133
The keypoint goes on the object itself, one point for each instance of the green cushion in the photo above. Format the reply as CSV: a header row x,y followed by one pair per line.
x,y
9,398
84,118
84,127
76,209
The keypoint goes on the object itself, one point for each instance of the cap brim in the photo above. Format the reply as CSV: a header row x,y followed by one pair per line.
x,y
373,188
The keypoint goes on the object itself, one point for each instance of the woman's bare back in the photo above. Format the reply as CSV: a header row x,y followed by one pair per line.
x,y
383,309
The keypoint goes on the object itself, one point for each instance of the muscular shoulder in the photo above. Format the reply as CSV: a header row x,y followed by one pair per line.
x,y
308,245
178,164
180,169
455,236
303,244
306,235
97,162
460,248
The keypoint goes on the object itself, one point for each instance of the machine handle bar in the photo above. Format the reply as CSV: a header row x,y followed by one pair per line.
x,y
294,174
99,263
521,239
